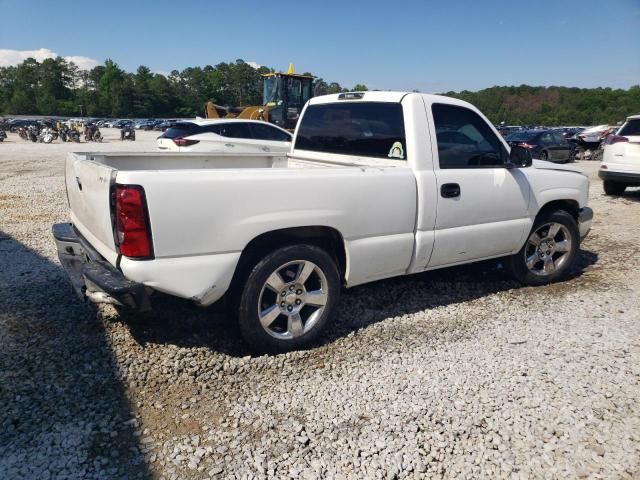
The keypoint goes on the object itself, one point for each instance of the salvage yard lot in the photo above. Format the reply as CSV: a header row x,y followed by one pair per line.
x,y
444,374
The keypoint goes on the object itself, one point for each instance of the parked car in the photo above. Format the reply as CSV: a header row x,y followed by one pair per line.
x,y
506,130
591,137
164,125
544,144
139,123
368,192
570,132
122,123
230,135
621,158
149,124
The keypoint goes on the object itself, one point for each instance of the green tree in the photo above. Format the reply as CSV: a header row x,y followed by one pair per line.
x,y
55,86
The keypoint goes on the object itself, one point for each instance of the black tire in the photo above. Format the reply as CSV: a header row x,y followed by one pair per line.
x,y
613,188
544,156
565,259
255,295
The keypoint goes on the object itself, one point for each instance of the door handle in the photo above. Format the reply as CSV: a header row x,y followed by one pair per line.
x,y
450,190
229,145
265,149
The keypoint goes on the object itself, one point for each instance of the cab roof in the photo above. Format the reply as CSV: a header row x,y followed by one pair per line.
x,y
282,74
386,97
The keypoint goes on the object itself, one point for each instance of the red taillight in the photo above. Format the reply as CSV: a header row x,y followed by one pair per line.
x,y
132,225
611,139
183,142
526,145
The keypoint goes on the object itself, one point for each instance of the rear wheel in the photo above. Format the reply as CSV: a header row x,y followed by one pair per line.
x,y
544,155
550,250
288,298
613,188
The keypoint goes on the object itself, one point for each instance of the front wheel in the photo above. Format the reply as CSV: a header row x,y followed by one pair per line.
x,y
613,188
549,252
544,155
288,298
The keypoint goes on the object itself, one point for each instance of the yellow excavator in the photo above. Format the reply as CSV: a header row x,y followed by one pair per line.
x,y
284,95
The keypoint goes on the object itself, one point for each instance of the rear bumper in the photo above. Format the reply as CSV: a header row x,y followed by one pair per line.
x,y
585,219
91,277
630,178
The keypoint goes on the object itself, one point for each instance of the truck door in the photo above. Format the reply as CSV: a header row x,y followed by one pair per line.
x,y
482,205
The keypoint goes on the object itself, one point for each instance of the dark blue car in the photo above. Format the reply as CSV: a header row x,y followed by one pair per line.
x,y
544,144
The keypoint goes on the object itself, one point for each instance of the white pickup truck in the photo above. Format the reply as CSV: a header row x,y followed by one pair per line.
x,y
376,185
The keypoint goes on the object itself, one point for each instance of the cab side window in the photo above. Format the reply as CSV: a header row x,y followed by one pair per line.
x,y
465,140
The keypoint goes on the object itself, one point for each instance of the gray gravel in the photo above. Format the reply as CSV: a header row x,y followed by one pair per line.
x,y
453,374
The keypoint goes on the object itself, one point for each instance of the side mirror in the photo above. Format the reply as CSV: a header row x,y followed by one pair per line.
x,y
519,157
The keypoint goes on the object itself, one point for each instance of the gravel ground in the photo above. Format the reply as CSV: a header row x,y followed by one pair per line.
x,y
457,374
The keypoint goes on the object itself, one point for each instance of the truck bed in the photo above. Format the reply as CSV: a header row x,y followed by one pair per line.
x,y
155,161
205,208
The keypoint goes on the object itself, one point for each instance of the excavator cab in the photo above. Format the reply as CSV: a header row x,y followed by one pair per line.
x,y
284,95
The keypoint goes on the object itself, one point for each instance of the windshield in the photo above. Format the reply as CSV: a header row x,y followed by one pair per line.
x,y
270,93
632,127
294,93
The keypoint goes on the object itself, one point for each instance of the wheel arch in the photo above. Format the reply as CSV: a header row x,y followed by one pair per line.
x,y
327,238
570,206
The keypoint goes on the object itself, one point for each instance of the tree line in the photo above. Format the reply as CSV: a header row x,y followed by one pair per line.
x,y
526,105
58,87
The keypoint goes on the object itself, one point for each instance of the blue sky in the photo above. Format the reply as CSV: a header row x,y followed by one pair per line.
x,y
395,44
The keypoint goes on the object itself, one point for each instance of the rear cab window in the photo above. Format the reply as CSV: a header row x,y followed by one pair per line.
x,y
363,129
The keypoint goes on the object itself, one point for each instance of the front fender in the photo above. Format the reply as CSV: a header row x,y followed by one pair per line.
x,y
553,184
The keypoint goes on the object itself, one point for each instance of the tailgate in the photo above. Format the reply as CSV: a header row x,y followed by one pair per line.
x,y
88,189
624,155
632,150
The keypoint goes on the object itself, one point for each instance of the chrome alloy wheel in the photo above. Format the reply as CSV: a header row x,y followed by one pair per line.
x,y
292,299
547,249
